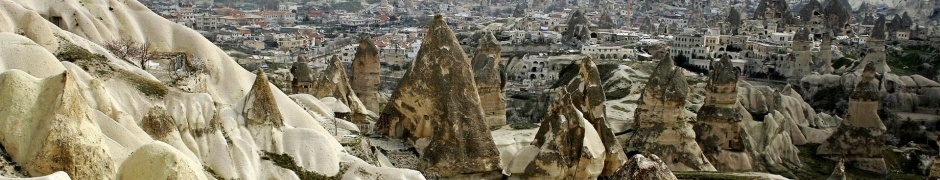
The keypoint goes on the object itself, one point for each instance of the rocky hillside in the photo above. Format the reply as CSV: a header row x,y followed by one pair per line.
x,y
68,104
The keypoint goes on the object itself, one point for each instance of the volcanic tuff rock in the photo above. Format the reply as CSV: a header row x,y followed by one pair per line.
x,y
861,126
490,79
876,48
565,147
578,31
89,122
333,82
558,150
660,124
424,107
160,161
640,167
718,128
588,96
61,138
366,72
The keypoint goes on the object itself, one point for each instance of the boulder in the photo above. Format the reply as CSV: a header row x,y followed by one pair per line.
x,y
838,173
640,167
160,161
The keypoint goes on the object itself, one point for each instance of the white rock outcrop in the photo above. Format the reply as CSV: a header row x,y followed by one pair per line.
x,y
69,104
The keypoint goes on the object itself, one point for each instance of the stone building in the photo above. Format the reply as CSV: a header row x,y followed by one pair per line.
x,y
801,59
862,125
490,78
366,71
660,124
303,76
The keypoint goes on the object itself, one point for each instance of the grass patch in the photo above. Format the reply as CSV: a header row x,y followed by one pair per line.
x,y
287,162
523,125
620,108
493,128
842,62
72,53
212,172
147,86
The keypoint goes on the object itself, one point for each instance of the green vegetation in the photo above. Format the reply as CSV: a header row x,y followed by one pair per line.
x,y
493,128
818,167
287,162
619,108
147,86
523,125
211,172
72,53
844,61
909,59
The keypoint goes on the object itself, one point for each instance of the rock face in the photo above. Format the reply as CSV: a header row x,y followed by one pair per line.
x,y
262,114
59,138
159,161
436,107
574,140
333,82
861,126
91,120
718,127
875,53
660,124
490,79
578,31
641,167
366,71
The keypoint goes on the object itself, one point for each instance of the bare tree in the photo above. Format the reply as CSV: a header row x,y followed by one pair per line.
x,y
130,51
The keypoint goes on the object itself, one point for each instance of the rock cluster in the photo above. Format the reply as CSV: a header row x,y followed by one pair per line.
x,y
661,126
574,140
366,73
333,82
861,126
640,167
436,108
578,31
718,128
490,79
